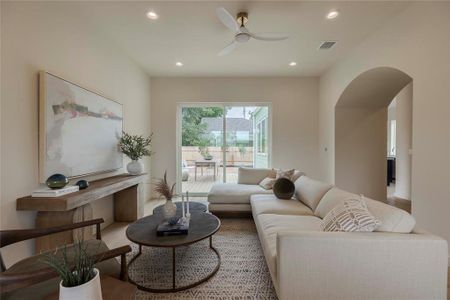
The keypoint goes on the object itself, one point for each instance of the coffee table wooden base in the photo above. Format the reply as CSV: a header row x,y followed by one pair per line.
x,y
174,287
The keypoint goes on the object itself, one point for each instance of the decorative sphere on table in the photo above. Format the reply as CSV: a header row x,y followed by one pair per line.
x,y
57,181
82,184
284,188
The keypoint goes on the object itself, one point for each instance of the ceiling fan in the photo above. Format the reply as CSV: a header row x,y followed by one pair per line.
x,y
242,35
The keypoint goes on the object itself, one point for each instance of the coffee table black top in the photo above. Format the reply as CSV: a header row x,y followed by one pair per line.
x,y
143,231
194,207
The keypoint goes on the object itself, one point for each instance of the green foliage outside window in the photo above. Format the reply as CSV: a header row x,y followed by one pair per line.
x,y
193,130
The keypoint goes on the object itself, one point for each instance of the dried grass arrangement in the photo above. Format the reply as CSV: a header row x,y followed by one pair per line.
x,y
163,188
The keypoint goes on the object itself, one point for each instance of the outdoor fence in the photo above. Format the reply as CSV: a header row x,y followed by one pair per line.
x,y
236,156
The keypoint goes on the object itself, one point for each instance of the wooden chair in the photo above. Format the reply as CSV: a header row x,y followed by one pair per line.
x,y
32,276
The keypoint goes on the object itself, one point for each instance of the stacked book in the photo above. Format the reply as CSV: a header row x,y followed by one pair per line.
x,y
180,227
48,192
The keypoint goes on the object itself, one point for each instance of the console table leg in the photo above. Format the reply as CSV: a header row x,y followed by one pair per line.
x,y
129,204
173,267
46,219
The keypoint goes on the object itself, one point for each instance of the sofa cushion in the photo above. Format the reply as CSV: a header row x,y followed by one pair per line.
x,y
270,204
332,198
229,193
392,218
270,224
310,191
254,175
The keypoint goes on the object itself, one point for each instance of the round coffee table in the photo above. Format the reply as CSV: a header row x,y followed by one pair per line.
x,y
194,207
143,232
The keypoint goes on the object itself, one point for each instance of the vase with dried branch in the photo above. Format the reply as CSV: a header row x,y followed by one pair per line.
x,y
163,188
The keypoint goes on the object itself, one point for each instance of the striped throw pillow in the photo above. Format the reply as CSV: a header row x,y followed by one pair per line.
x,y
350,216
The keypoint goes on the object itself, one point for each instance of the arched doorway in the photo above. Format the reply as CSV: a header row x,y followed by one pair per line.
x,y
361,120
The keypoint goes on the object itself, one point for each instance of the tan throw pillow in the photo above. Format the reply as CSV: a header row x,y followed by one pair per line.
x,y
267,183
285,174
350,216
272,173
297,175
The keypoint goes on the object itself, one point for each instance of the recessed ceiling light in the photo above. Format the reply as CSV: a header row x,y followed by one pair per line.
x,y
332,14
152,15
179,64
292,64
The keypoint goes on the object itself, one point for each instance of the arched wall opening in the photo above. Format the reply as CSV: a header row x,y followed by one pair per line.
x,y
361,119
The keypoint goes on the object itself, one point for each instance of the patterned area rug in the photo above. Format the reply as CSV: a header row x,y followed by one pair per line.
x,y
243,273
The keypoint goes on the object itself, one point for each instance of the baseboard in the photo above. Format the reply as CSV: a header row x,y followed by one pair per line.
x,y
400,198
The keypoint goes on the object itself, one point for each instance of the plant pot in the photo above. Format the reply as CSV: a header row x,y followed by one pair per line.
x,y
169,210
90,290
135,167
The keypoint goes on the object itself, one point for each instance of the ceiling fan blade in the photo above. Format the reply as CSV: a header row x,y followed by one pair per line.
x,y
270,36
228,49
227,19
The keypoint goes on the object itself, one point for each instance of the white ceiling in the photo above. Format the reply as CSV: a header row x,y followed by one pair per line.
x,y
191,33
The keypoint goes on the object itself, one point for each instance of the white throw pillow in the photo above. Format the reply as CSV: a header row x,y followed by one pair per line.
x,y
267,183
350,216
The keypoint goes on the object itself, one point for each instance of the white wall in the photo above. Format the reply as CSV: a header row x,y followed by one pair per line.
x,y
294,104
403,161
417,41
361,150
43,36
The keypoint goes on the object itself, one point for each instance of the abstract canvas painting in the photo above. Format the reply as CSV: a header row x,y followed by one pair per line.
x,y
79,129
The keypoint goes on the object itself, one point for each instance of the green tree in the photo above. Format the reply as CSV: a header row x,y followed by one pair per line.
x,y
193,129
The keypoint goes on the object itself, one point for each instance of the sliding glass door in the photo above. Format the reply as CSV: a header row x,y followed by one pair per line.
x,y
215,140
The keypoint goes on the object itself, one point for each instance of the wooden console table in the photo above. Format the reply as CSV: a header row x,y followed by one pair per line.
x,y
75,207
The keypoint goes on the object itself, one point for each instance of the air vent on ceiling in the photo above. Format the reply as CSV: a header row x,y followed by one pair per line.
x,y
327,45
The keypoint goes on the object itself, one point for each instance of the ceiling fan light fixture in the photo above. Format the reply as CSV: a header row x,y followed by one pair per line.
x,y
242,37
292,64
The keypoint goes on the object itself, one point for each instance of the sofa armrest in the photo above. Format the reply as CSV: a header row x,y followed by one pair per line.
x,y
337,265
252,175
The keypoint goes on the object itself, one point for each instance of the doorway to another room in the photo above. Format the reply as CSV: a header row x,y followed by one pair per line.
x,y
214,140
373,136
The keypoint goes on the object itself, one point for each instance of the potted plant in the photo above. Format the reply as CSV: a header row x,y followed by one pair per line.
x,y
164,190
135,147
204,152
79,278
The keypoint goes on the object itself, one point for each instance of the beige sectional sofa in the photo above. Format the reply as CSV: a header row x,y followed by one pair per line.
x,y
395,262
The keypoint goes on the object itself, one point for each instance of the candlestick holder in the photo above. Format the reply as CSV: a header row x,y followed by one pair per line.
x,y
188,214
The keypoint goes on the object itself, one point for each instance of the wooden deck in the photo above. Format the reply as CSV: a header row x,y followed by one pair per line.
x,y
204,183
